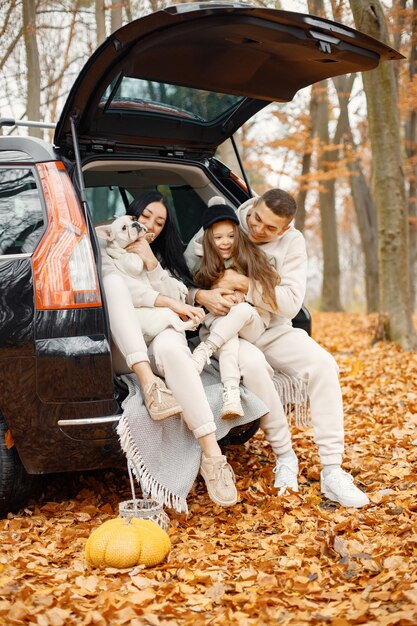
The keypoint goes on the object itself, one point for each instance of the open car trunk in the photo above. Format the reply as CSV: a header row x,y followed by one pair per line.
x,y
186,78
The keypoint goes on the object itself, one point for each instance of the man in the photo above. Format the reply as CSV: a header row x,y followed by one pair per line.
x,y
267,220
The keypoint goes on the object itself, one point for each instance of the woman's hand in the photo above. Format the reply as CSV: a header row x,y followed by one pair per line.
x,y
186,311
144,250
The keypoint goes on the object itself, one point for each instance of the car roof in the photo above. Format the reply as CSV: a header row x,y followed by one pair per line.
x,y
30,149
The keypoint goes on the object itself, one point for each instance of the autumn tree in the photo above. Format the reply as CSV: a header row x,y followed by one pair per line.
x,y
388,181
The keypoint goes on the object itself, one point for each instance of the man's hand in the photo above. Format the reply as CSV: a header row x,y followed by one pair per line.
x,y
215,300
234,281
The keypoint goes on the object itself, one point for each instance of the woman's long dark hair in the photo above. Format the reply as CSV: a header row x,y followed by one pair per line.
x,y
167,247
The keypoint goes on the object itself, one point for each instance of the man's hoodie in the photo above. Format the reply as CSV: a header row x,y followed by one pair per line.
x,y
287,253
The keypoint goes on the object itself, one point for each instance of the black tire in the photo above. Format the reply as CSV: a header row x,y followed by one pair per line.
x,y
240,434
16,485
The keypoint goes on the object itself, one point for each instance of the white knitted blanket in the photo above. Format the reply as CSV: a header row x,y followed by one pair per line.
x,y
166,456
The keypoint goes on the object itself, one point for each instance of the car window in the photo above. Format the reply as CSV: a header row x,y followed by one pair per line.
x,y
108,202
137,94
22,217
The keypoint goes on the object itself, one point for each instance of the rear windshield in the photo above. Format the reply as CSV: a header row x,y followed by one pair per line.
x,y
137,94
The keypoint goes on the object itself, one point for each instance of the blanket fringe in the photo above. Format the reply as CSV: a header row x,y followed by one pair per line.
x,y
148,484
293,394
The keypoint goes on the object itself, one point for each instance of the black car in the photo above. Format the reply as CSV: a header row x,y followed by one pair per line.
x,y
148,111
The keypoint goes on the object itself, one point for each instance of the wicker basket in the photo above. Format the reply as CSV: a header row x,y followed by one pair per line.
x,y
143,508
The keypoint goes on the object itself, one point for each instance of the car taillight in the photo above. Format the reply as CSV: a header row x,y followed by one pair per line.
x,y
64,270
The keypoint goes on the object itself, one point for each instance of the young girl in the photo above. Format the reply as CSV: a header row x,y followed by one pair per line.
x,y
225,246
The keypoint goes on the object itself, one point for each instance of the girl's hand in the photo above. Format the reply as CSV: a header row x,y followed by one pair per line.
x,y
143,249
239,297
235,298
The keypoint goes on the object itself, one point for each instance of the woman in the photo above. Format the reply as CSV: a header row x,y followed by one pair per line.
x,y
169,353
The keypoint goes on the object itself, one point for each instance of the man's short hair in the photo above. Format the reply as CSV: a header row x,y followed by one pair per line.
x,y
279,202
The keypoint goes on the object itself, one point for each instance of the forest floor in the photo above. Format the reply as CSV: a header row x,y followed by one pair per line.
x,y
293,560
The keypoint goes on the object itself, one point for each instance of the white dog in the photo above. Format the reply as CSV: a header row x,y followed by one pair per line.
x,y
153,320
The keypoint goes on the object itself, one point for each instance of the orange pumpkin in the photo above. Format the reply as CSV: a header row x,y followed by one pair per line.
x,y
126,542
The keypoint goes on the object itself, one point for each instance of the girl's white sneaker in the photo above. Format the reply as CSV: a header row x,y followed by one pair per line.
x,y
232,406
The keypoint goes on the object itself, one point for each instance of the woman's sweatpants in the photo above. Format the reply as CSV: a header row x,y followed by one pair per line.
x,y
242,320
169,355
126,333
293,351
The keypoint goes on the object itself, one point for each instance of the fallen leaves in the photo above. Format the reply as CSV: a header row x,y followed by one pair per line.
x,y
291,561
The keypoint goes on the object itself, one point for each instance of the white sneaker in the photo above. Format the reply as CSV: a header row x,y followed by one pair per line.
x,y
338,486
286,471
232,406
201,355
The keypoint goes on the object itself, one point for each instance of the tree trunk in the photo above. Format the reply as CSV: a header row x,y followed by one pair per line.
x,y
398,30
100,21
300,216
362,198
411,148
330,292
389,184
116,15
54,99
33,98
